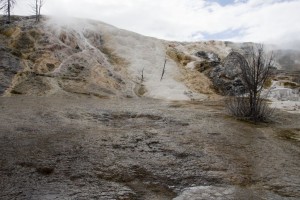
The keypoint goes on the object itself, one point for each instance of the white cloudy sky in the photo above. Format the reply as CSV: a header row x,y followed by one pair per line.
x,y
189,20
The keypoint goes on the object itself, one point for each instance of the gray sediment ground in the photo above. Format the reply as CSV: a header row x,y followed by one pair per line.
x,y
90,148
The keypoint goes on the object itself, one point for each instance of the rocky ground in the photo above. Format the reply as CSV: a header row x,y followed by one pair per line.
x,y
81,147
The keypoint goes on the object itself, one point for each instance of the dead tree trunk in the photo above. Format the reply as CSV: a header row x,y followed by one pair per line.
x,y
6,6
37,7
163,71
36,11
8,11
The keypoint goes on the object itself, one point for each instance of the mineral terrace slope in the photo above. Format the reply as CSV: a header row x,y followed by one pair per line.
x,y
66,55
57,57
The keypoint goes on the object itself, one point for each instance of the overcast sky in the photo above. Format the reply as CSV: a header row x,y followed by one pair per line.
x,y
271,21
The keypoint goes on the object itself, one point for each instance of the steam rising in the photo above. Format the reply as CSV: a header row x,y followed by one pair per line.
x,y
272,21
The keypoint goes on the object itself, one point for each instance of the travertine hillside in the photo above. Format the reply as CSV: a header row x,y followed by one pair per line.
x,y
63,56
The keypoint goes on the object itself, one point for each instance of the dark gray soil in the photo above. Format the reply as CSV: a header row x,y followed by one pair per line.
x,y
91,148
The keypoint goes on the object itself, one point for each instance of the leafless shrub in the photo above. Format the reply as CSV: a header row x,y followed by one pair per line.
x,y
255,67
240,107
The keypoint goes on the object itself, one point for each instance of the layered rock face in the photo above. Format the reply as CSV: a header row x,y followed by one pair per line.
x,y
225,75
37,59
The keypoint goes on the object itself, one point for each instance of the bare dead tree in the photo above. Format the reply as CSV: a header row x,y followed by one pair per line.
x,y
37,7
7,6
41,4
142,76
255,70
164,69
